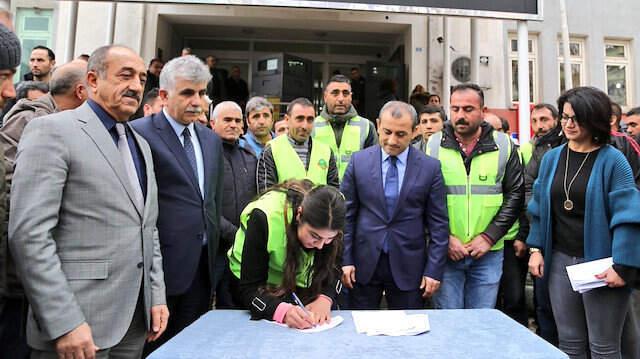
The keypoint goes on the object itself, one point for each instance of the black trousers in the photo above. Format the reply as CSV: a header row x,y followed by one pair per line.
x,y
369,296
13,334
544,315
511,297
187,307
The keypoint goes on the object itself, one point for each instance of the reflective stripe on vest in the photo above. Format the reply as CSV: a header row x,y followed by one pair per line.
x,y
472,199
433,150
272,204
289,165
353,137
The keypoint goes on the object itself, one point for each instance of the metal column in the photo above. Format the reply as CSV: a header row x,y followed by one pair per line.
x,y
446,65
71,31
111,22
475,59
524,123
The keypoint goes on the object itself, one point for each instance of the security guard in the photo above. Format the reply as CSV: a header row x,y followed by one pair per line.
x,y
339,125
485,193
297,156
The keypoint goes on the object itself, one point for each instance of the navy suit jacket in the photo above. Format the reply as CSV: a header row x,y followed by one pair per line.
x,y
421,206
184,216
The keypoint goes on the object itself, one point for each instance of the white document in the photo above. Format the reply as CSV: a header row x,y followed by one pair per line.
x,y
583,276
334,322
390,323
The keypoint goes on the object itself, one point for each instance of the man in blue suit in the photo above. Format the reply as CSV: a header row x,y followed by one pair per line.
x,y
395,195
187,158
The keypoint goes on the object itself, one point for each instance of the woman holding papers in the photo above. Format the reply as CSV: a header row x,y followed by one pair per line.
x,y
584,208
286,248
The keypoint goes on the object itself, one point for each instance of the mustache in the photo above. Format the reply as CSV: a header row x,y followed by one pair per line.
x,y
132,94
195,110
462,121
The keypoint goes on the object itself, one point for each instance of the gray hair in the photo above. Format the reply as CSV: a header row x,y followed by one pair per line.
x,y
221,106
65,78
98,59
188,68
399,108
257,103
23,88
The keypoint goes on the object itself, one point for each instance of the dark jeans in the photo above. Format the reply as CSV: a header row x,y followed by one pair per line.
x,y
511,296
187,307
369,296
13,321
589,321
221,282
631,330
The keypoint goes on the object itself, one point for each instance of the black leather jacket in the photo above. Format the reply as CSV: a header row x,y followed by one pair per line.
x,y
512,183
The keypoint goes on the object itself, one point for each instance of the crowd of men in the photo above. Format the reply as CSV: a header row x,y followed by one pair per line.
x,y
126,196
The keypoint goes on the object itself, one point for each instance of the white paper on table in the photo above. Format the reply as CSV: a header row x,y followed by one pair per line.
x,y
334,322
583,276
390,323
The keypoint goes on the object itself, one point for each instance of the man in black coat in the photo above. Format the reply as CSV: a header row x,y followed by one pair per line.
x,y
237,88
239,188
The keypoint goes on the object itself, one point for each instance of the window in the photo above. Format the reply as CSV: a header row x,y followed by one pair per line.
x,y
576,60
617,71
34,27
532,48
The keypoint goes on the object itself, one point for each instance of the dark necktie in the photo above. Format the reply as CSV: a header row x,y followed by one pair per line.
x,y
390,195
129,166
190,152
391,185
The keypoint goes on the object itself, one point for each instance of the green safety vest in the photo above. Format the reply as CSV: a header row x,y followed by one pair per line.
x,y
513,231
526,151
289,165
272,204
474,199
353,137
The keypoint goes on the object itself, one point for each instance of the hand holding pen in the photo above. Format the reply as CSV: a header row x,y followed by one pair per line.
x,y
298,316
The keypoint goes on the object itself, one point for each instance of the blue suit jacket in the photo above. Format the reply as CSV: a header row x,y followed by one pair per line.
x,y
421,206
183,214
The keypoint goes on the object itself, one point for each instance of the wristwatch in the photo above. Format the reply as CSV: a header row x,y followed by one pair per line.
x,y
533,250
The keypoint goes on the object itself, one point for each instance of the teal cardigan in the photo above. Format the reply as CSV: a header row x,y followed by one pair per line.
x,y
612,209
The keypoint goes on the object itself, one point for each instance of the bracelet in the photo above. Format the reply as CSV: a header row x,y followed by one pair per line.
x,y
534,250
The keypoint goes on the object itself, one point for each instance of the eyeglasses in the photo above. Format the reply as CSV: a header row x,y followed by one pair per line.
x,y
564,119
336,93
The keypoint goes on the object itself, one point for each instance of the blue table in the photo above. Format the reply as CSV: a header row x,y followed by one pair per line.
x,y
471,333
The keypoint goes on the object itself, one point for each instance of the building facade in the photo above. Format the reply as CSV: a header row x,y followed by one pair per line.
x,y
603,53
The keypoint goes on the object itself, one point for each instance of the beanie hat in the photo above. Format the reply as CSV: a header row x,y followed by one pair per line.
x,y
9,49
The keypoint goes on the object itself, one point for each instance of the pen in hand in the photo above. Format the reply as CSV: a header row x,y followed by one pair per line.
x,y
299,303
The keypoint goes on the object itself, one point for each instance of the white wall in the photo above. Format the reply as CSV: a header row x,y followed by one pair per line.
x,y
129,25
491,40
594,21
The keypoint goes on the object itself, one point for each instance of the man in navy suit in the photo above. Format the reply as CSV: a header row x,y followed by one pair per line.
x,y
395,195
187,158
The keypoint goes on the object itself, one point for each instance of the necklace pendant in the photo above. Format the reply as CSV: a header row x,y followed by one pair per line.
x,y
568,205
